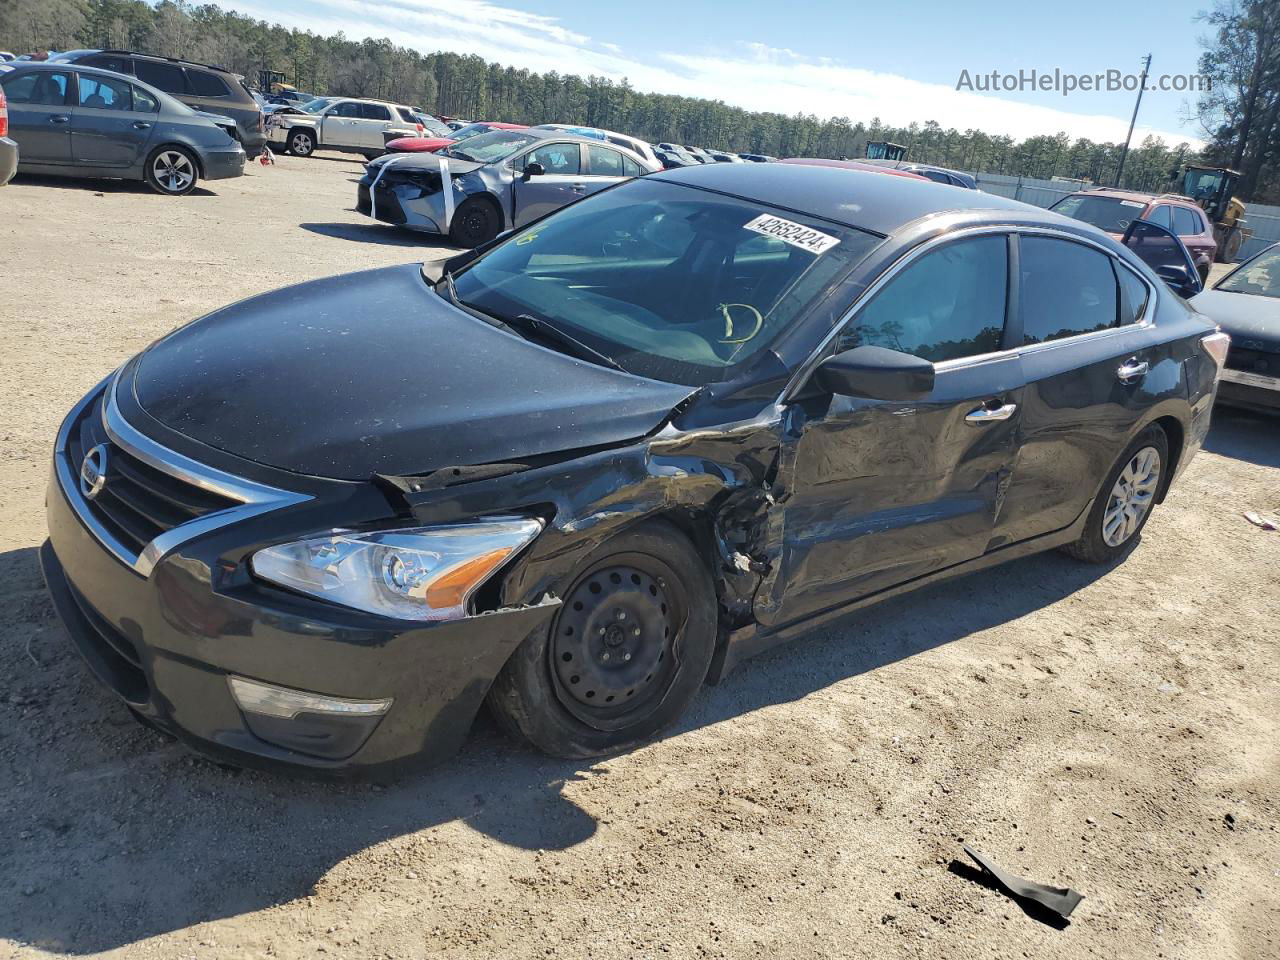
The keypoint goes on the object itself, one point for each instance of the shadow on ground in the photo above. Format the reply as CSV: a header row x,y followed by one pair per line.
x,y
112,834
378,233
1245,435
101,185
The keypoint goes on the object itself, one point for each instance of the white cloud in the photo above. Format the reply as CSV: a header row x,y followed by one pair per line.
x,y
755,76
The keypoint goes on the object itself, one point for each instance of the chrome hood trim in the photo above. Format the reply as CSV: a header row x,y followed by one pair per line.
x,y
254,498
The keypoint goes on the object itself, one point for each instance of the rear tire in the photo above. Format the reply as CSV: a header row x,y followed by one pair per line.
x,y
475,222
172,171
1125,500
301,143
625,654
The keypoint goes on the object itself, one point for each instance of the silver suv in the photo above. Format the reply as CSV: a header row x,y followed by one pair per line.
x,y
348,125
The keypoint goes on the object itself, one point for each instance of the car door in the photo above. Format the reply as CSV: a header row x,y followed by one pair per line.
x,y
874,493
560,182
1194,232
339,127
40,114
1091,373
109,129
374,119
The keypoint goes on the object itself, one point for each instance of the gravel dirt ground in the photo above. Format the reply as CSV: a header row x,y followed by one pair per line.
x,y
1114,730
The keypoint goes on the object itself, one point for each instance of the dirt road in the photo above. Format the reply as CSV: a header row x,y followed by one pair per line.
x,y
1114,730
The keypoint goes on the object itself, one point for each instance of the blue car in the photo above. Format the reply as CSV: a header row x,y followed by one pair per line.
x,y
78,121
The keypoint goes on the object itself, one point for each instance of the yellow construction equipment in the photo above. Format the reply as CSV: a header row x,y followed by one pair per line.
x,y
1213,188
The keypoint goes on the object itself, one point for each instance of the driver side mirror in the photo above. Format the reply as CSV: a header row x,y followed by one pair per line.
x,y
876,373
534,169
1177,279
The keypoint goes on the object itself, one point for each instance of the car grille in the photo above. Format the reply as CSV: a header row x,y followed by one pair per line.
x,y
1254,361
138,502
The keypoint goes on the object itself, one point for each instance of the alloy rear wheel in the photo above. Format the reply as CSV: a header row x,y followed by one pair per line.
x,y
172,171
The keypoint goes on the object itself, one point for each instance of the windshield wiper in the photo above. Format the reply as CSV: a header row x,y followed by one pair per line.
x,y
583,350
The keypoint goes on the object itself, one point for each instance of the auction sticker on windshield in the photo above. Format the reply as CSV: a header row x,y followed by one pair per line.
x,y
796,234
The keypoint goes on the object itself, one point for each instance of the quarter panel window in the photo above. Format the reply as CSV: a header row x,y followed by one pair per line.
x,y
1066,289
162,76
207,84
557,159
1133,294
948,304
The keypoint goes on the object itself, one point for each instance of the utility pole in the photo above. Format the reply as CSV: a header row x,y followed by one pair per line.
x,y
1142,85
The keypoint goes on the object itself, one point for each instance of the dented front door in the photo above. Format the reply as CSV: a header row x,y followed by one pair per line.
x,y
877,493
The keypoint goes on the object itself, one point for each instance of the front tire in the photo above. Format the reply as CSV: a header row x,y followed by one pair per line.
x,y
1124,502
624,656
172,171
475,222
301,143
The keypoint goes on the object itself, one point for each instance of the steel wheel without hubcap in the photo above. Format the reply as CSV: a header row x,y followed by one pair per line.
x,y
615,647
173,171
1131,497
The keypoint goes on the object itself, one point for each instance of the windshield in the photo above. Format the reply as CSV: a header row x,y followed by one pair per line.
x,y
1111,214
671,282
1260,276
432,125
488,147
316,105
470,130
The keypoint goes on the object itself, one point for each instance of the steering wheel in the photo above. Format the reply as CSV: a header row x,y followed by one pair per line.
x,y
726,311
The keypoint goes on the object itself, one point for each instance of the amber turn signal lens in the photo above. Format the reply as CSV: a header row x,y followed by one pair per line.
x,y
452,588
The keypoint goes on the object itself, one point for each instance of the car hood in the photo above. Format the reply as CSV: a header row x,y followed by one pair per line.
x,y
1245,316
374,373
421,161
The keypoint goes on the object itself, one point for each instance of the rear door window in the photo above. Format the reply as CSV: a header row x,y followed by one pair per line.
x,y
1133,294
1066,289
1186,223
630,168
374,111
162,76
104,93
108,61
604,162
948,304
207,84
1162,216
144,102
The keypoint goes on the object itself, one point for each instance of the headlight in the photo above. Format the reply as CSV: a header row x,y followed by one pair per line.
x,y
421,573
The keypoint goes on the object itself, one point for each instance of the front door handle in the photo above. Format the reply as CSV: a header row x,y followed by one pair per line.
x,y
60,118
990,414
141,125
578,187
1133,369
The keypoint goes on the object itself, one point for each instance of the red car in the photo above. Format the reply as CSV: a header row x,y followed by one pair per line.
x,y
432,144
854,165
1113,210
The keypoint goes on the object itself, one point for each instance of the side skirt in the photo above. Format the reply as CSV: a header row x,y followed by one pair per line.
x,y
746,642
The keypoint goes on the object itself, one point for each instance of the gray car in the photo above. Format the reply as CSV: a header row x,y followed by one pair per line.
x,y
78,121
498,181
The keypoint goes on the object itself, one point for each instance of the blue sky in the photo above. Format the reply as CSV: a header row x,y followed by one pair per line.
x,y
829,57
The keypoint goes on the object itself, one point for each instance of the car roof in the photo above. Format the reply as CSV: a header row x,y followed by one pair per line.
x,y
858,198
853,165
1118,194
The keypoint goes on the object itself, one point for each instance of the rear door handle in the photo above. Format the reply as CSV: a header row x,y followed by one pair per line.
x,y
579,187
60,118
990,414
1132,369
141,125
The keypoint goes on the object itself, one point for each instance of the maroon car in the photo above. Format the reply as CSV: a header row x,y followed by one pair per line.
x,y
1113,211
432,144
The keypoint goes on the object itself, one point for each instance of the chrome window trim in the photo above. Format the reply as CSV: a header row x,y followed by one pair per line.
x,y
255,498
806,369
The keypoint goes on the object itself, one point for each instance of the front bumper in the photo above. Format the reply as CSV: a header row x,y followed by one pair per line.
x,y
223,164
168,642
401,204
1244,388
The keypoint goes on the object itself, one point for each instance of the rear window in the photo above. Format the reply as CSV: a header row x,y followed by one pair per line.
x,y
207,84
1111,214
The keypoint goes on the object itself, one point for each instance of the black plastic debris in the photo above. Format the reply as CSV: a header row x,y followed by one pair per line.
x,y
1057,901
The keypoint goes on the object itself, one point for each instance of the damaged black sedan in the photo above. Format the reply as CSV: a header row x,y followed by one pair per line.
x,y
600,460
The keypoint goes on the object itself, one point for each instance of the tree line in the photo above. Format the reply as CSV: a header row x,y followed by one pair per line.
x,y
467,86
